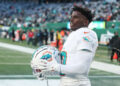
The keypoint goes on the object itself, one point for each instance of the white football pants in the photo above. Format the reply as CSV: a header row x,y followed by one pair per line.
x,y
66,81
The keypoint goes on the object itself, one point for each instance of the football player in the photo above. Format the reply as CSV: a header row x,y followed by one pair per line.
x,y
77,53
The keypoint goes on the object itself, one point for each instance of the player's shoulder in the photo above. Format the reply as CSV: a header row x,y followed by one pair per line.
x,y
85,31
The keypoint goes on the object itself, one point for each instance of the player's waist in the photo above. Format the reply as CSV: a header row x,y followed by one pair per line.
x,y
73,76
69,78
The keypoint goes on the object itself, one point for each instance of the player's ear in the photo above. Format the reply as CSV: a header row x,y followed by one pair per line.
x,y
86,23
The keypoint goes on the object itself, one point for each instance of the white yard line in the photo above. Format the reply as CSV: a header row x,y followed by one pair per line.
x,y
95,64
14,63
26,76
106,67
16,76
26,82
17,48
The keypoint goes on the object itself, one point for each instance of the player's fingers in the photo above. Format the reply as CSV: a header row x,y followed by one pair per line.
x,y
40,66
43,61
44,70
40,61
34,66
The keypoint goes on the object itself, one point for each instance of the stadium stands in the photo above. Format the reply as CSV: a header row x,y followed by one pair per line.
x,y
33,14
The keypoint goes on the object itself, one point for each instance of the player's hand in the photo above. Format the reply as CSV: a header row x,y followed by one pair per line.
x,y
45,66
53,65
38,64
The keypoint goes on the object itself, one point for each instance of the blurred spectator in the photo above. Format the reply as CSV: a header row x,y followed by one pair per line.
x,y
112,44
114,39
51,35
23,36
45,36
58,38
20,35
6,34
36,35
117,49
13,35
40,38
30,37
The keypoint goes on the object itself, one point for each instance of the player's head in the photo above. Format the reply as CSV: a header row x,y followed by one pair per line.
x,y
80,17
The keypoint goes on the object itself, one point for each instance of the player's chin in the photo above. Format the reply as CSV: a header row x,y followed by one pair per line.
x,y
73,28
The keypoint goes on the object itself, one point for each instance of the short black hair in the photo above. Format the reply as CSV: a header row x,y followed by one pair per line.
x,y
84,11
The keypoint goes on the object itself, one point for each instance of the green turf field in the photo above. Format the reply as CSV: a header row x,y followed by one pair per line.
x,y
102,53
18,63
14,62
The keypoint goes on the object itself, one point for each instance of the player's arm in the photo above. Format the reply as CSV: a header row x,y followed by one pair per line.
x,y
80,66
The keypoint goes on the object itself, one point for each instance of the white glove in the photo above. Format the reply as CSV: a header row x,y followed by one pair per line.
x,y
45,66
38,64
53,65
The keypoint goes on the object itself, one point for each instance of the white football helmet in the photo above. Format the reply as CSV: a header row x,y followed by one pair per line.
x,y
45,52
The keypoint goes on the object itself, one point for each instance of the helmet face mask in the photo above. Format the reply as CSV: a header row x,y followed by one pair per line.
x,y
39,74
47,53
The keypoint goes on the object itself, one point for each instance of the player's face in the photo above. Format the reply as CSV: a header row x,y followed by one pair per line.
x,y
77,20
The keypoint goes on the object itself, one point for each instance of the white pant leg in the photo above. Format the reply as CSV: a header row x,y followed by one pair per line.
x,y
66,81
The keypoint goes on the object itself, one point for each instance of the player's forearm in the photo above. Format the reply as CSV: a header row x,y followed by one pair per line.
x,y
75,69
81,65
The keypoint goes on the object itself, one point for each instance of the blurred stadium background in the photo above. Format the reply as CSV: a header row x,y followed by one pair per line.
x,y
33,23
